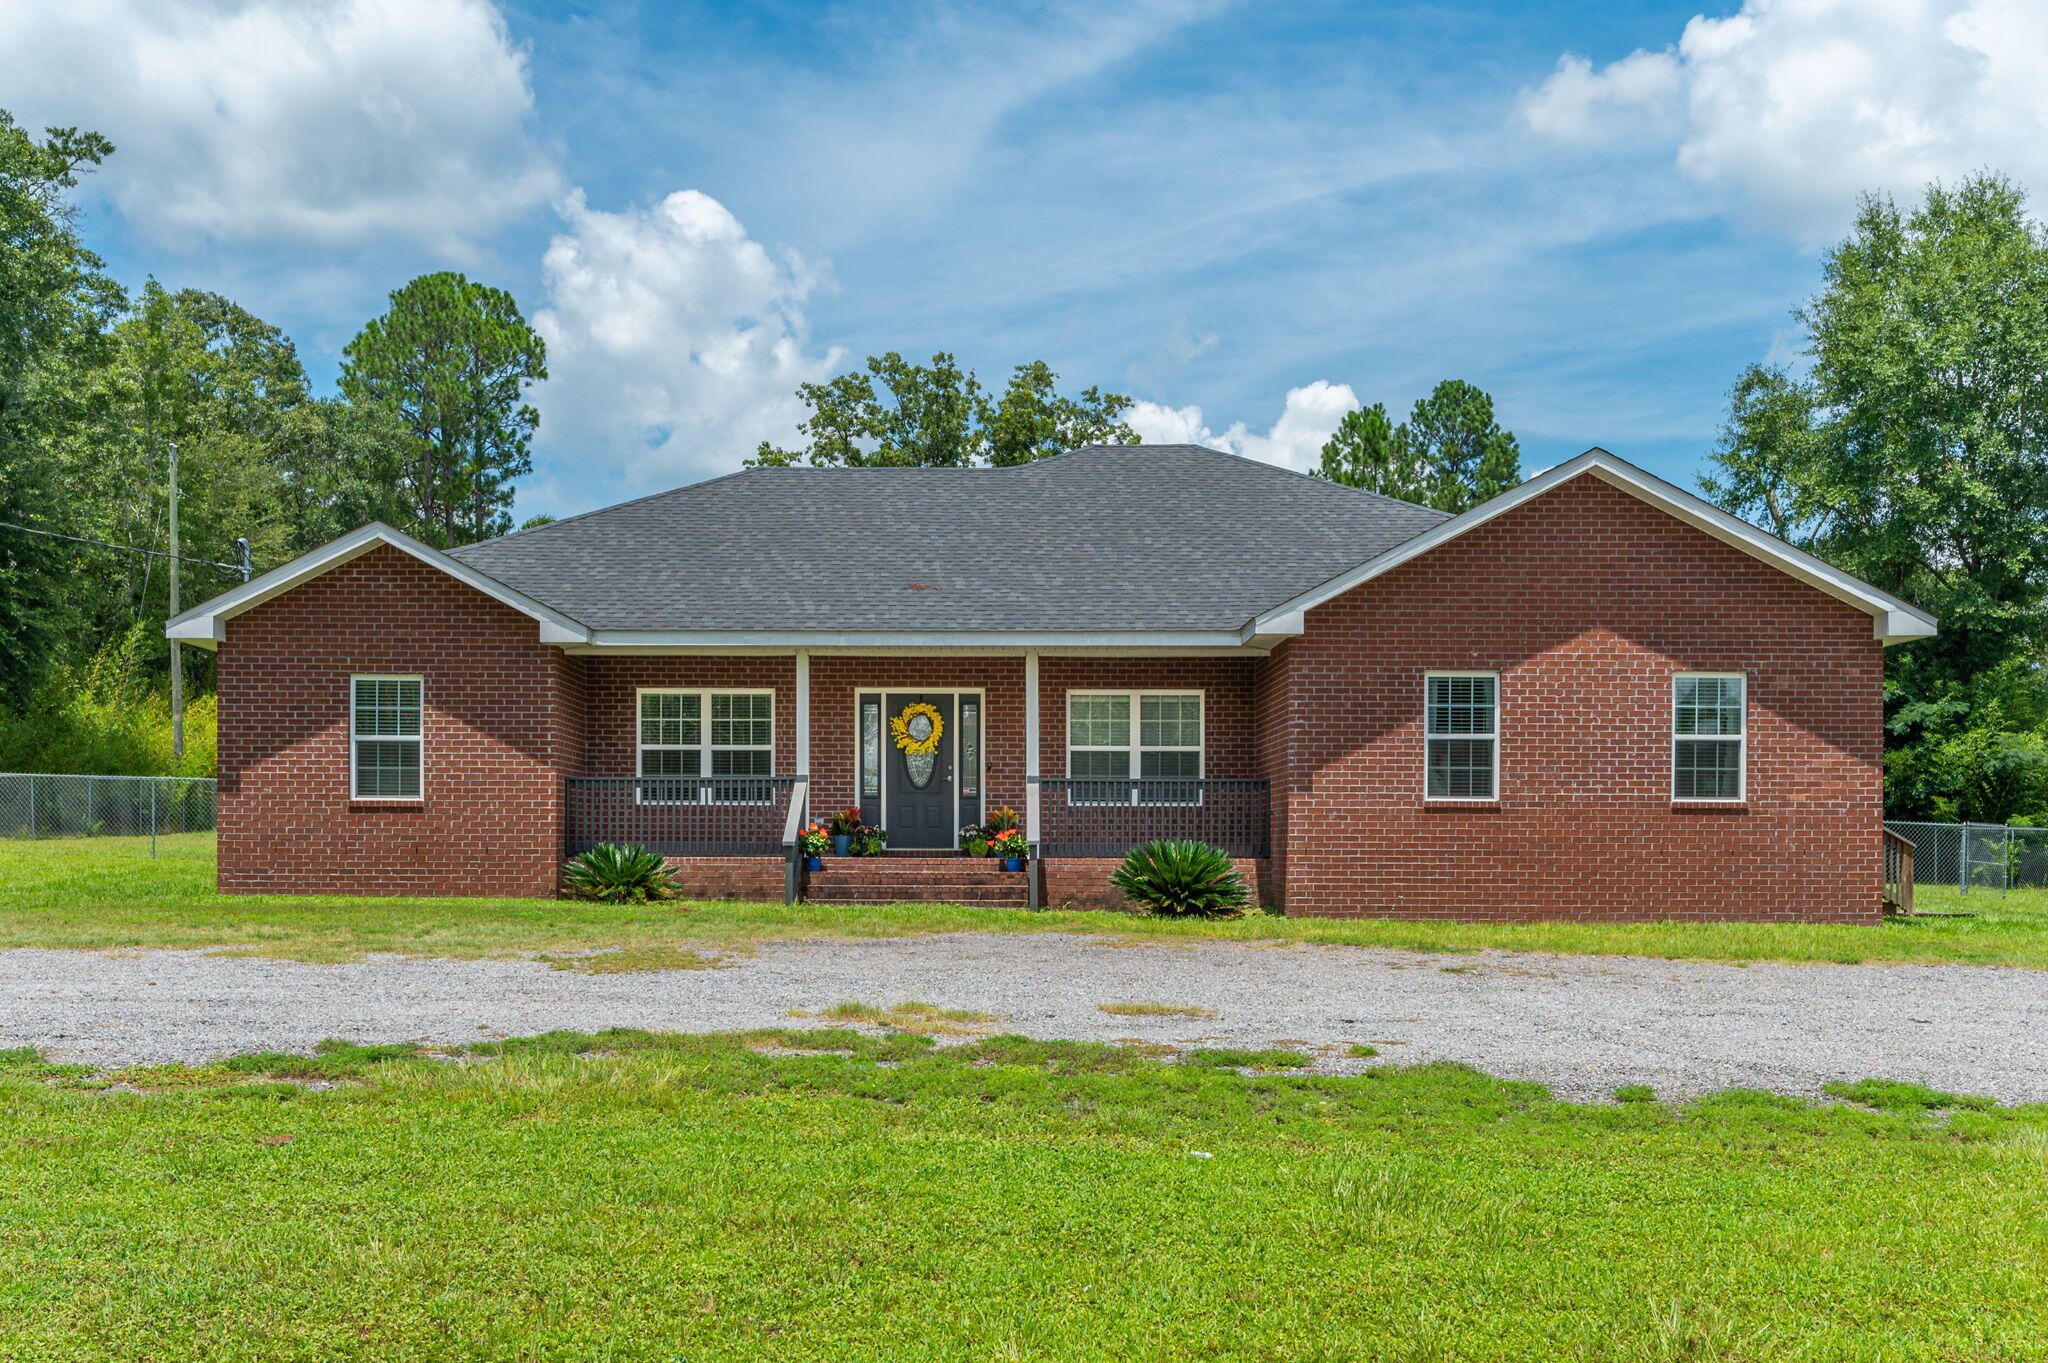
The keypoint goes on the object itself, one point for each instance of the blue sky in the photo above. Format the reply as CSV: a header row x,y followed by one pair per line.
x,y
1248,216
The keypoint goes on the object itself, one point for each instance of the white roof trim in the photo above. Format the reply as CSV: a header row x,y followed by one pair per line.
x,y
206,624
1893,620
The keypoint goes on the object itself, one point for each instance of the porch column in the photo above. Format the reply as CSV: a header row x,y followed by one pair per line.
x,y
1031,771
803,716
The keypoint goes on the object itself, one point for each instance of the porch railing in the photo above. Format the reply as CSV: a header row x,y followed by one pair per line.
x,y
682,816
1088,817
1898,873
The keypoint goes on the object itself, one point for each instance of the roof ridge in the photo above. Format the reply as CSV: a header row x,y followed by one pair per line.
x,y
1029,464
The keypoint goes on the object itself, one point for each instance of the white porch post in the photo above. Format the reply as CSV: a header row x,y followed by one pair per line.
x,y
1031,772
803,715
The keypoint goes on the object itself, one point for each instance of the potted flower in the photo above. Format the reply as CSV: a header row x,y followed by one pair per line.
x,y
814,840
1000,821
845,824
1011,847
870,842
974,840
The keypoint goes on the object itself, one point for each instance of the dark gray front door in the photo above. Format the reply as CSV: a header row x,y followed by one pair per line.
x,y
920,812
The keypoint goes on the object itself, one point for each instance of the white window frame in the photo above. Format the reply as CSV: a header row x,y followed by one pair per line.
x,y
1741,740
705,795
1494,738
1135,749
418,740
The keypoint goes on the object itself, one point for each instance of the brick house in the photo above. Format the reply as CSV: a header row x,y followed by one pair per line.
x,y
1595,696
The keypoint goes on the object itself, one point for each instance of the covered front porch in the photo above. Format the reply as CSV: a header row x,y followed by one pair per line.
x,y
718,761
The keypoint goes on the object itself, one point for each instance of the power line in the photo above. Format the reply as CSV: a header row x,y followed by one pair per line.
x,y
242,567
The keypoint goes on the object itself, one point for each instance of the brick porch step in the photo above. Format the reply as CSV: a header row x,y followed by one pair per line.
x,y
917,880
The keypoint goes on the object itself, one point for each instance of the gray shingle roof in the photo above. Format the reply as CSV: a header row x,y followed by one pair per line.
x,y
1138,537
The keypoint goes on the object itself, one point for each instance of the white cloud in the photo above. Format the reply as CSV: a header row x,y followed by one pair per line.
x,y
1792,107
1296,440
675,341
1636,97
324,122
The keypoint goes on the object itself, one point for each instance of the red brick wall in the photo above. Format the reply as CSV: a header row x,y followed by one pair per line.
x,y
613,727
1275,706
1586,601
1083,882
1226,683
753,879
499,731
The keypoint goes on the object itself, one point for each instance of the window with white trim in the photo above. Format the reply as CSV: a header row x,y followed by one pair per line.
x,y
1122,736
385,737
1709,735
690,735
1461,730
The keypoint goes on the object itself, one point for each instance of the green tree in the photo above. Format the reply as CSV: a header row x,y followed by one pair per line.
x,y
1450,454
1367,450
340,465
893,413
1914,453
1032,420
55,305
453,357
1470,457
194,370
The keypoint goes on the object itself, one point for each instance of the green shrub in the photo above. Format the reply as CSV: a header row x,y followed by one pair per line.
x,y
618,875
1182,880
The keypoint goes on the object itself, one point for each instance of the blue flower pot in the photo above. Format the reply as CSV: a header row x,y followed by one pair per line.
x,y
1013,863
814,863
842,844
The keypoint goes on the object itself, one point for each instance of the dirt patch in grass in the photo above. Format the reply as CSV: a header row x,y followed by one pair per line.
x,y
637,959
1157,1010
910,1016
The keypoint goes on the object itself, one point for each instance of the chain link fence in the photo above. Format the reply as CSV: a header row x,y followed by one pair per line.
x,y
1976,856
156,815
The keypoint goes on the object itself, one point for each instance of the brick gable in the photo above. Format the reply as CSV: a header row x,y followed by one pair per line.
x,y
1586,601
501,724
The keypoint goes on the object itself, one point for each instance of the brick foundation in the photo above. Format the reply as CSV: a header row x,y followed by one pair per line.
x,y
758,880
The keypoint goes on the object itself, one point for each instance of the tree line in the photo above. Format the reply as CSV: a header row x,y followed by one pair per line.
x,y
98,384
1909,445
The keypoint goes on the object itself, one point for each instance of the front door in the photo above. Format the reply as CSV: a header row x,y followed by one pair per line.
x,y
921,800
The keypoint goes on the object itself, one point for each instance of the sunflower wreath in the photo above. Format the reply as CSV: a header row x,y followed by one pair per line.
x,y
899,729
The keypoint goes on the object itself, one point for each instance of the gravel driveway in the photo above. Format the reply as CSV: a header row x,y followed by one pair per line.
x,y
1582,1024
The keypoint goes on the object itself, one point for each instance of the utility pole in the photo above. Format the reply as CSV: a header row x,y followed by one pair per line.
x,y
177,663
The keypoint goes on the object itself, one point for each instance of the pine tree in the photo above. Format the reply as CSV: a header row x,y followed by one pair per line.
x,y
1370,452
1450,454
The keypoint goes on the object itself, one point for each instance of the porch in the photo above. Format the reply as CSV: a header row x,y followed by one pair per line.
x,y
737,837
718,761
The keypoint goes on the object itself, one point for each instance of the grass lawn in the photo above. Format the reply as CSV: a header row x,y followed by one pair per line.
x,y
850,1194
107,893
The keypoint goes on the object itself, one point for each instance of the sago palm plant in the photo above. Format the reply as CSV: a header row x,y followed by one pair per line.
x,y
618,875
1182,880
